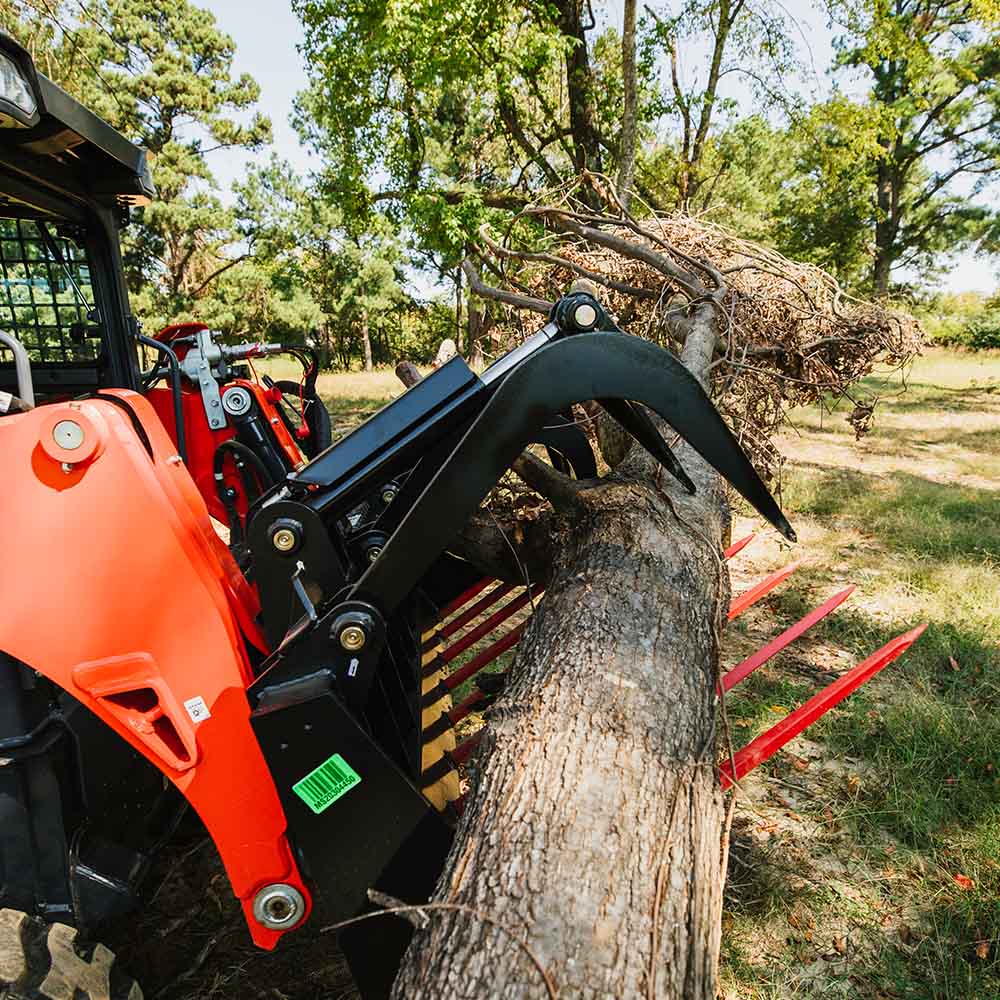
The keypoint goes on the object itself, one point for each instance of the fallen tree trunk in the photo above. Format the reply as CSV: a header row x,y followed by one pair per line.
x,y
593,827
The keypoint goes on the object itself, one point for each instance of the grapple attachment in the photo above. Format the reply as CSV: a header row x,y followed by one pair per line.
x,y
382,639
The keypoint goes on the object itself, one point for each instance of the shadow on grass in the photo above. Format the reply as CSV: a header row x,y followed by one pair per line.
x,y
922,396
925,737
908,514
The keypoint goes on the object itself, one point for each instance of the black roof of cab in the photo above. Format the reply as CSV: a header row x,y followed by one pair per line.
x,y
102,163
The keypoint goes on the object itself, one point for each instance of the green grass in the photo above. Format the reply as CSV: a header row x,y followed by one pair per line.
x,y
902,791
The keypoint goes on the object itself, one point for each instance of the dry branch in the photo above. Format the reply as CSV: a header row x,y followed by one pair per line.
x,y
774,333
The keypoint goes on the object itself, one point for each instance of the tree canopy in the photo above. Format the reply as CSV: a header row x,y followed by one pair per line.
x,y
430,121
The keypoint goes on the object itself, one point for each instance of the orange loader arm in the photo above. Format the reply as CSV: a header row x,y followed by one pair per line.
x,y
119,590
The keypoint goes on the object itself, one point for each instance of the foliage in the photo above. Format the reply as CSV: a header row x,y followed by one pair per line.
x,y
749,39
967,319
163,75
926,126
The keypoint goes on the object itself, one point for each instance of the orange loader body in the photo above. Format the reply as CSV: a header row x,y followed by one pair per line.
x,y
164,666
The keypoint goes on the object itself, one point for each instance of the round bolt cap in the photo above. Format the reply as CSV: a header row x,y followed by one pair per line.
x,y
68,434
388,495
374,552
279,906
236,401
585,315
284,540
353,638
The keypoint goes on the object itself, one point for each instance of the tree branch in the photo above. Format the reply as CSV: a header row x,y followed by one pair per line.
x,y
549,258
561,491
499,295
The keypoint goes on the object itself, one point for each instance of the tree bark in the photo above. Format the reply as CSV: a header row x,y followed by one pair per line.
x,y
593,825
627,142
366,340
885,230
579,86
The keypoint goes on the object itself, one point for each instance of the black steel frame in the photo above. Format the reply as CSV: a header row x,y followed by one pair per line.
x,y
359,563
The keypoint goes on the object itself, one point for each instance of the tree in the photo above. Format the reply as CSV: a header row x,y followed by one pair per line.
x,y
932,120
162,74
743,38
628,139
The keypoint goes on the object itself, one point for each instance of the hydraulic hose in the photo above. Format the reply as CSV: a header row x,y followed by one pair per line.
x,y
175,390
248,455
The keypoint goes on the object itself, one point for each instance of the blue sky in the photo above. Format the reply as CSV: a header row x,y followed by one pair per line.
x,y
267,34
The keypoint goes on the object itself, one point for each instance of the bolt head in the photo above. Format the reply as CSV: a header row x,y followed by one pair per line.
x,y
278,906
68,434
585,315
388,496
353,638
374,552
284,540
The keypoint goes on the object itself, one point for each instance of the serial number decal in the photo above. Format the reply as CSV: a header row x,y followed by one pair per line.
x,y
321,787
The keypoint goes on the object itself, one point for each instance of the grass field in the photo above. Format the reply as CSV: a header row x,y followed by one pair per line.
x,y
866,861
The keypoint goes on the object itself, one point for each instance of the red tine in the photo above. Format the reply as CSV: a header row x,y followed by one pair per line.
x,y
739,546
769,743
759,590
758,659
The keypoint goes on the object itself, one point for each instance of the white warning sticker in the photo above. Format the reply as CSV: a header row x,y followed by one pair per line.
x,y
197,709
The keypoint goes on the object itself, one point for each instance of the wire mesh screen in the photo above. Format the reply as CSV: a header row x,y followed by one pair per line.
x,y
38,303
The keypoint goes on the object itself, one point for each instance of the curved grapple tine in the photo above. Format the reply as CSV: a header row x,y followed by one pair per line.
x,y
636,421
568,446
572,370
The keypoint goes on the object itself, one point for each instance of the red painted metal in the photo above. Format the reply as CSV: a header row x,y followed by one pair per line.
x,y
769,743
463,708
464,598
485,657
759,590
467,748
474,635
473,612
758,659
739,546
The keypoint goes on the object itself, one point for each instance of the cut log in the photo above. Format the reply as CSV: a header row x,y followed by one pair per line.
x,y
592,830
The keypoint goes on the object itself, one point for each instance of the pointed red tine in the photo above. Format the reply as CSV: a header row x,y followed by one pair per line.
x,y
739,546
475,610
759,590
463,708
758,659
769,743
487,656
467,748
472,637
452,606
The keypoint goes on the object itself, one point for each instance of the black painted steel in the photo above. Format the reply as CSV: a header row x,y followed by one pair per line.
x,y
636,421
586,366
350,845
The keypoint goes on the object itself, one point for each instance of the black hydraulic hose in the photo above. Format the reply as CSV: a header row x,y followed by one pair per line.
x,y
248,455
175,390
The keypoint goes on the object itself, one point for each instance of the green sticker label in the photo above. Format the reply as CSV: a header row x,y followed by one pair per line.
x,y
322,787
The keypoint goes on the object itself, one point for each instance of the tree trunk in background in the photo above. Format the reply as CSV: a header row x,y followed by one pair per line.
x,y
326,348
459,328
366,340
580,86
885,230
628,140
593,826
477,330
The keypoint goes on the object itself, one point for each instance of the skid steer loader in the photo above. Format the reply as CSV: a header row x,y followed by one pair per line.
x,y
289,686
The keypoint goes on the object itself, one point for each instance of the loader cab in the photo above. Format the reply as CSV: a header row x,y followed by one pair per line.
x,y
67,184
